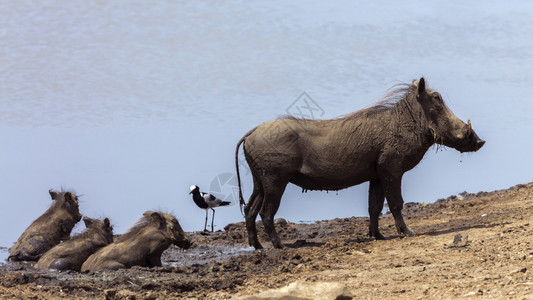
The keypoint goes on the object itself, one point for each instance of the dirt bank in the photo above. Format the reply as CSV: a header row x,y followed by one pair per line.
x,y
475,245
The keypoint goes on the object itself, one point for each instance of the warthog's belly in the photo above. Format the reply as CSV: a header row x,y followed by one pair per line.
x,y
330,184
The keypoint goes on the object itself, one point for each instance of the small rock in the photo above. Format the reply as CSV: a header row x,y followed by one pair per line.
x,y
470,294
110,294
506,281
305,290
312,234
231,226
457,238
521,270
149,286
280,222
460,241
236,236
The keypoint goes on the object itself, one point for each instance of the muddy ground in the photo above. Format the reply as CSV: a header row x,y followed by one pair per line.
x,y
472,245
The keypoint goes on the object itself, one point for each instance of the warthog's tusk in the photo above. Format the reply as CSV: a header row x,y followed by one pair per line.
x,y
469,132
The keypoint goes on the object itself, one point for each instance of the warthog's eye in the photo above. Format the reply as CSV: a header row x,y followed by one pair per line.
x,y
438,98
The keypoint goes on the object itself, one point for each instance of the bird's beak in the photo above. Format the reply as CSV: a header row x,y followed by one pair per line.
x,y
190,192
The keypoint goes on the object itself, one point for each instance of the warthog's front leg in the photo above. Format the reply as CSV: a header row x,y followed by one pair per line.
x,y
392,186
154,260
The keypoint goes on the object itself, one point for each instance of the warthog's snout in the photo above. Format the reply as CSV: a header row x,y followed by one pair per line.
x,y
473,143
466,140
184,244
479,143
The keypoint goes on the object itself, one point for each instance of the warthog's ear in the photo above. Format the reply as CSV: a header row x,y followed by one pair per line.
x,y
159,218
71,197
421,86
147,213
53,194
88,221
107,223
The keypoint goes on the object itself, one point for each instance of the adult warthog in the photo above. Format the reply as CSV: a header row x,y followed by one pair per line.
x,y
49,229
71,254
378,144
142,245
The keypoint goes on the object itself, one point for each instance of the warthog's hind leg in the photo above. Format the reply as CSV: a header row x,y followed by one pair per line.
x,y
376,198
250,211
270,207
64,264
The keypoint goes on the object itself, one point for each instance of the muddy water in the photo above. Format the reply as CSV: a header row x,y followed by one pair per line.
x,y
202,254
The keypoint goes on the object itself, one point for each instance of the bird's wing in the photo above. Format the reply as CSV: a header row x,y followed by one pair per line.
x,y
211,200
200,201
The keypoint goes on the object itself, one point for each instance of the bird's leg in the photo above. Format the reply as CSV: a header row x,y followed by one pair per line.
x,y
212,220
205,225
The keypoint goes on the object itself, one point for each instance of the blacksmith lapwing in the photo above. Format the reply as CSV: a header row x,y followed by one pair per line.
x,y
206,201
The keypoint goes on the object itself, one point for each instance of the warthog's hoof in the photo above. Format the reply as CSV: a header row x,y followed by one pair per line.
x,y
407,232
379,237
376,234
256,245
278,245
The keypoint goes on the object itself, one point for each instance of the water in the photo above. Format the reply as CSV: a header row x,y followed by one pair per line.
x,y
4,254
129,103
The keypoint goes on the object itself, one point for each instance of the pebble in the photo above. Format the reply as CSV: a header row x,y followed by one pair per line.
x,y
280,222
460,241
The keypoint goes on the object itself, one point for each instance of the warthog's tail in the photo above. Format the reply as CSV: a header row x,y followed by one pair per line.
x,y
241,199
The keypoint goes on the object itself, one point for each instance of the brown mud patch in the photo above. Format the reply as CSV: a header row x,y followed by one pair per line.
x,y
472,245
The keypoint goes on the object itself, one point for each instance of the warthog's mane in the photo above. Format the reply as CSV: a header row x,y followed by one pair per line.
x,y
87,232
135,229
396,94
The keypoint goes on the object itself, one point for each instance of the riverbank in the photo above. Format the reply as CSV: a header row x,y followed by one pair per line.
x,y
478,245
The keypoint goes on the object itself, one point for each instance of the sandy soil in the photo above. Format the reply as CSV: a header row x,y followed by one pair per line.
x,y
474,245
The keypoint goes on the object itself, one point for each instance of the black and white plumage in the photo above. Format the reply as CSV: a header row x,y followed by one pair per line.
x,y
206,201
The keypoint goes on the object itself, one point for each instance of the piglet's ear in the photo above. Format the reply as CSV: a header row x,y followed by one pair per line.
x,y
421,86
158,218
53,194
88,221
70,197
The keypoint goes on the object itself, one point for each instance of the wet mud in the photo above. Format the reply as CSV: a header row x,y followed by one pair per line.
x,y
468,245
